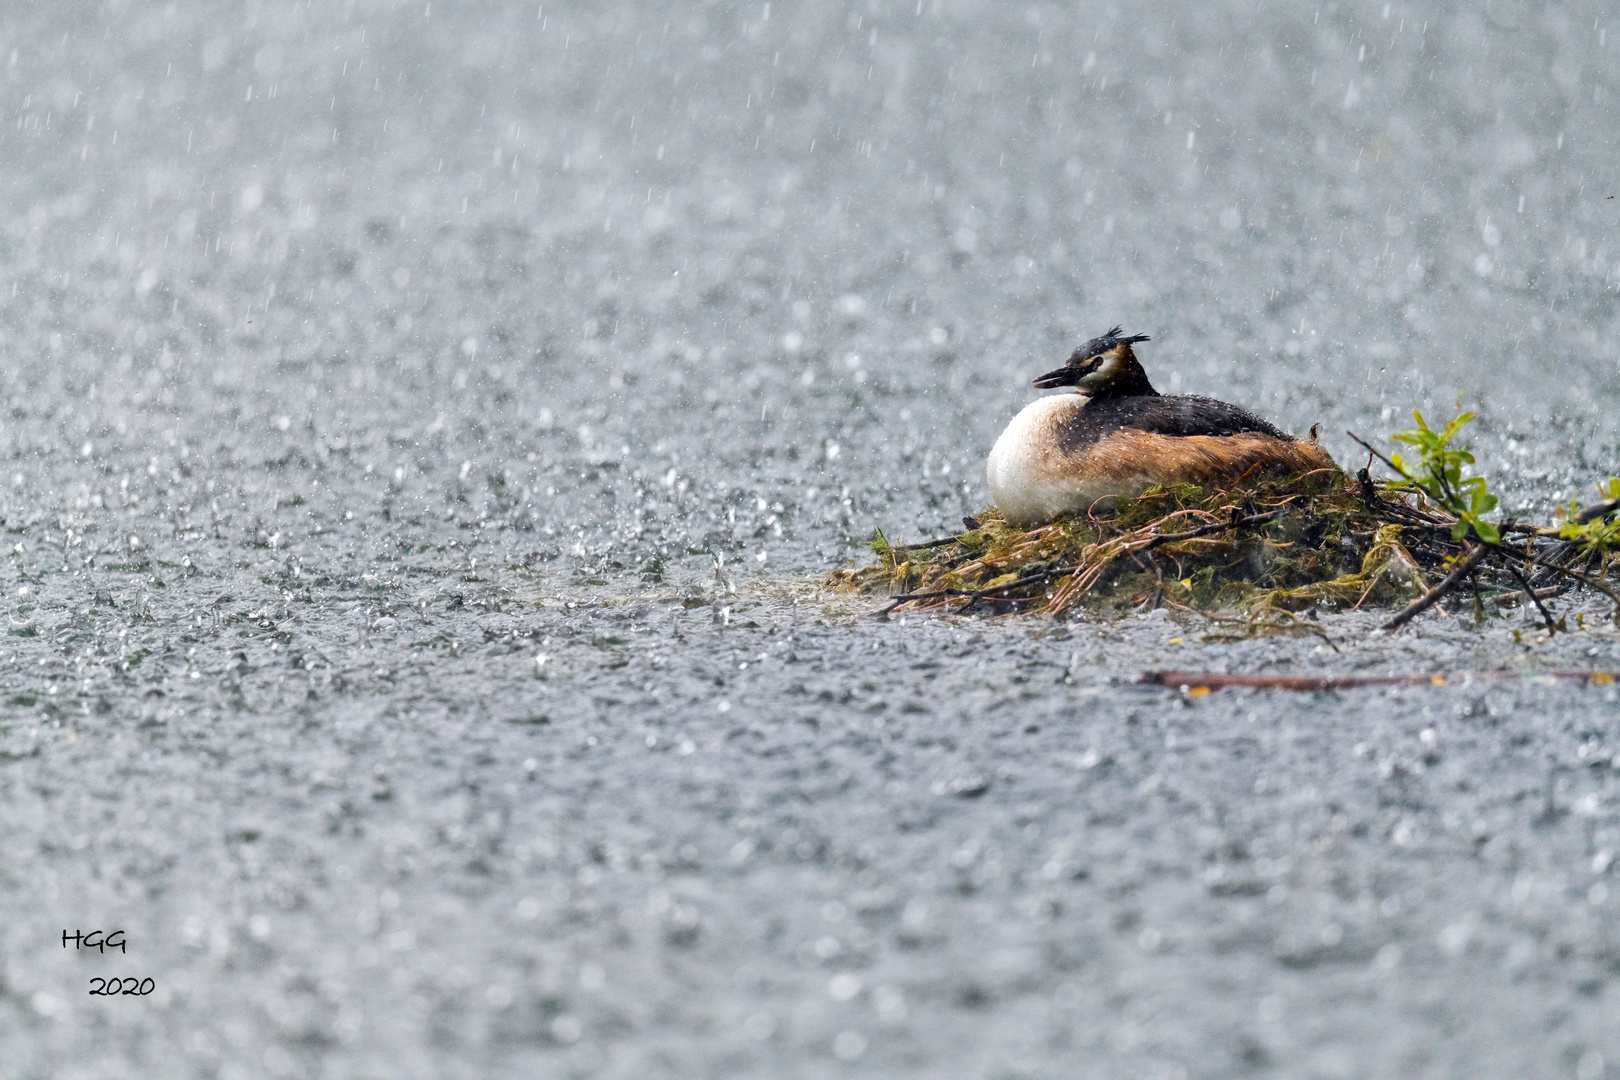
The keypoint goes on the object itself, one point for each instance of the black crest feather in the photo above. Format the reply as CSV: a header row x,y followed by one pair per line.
x,y
1105,342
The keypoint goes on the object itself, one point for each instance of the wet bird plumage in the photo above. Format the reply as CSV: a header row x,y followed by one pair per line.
x,y
1117,435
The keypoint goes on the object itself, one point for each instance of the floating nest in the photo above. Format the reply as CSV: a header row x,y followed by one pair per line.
x,y
1258,555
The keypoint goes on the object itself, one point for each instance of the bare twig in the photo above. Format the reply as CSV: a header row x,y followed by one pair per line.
x,y
1215,527
943,541
1552,628
1408,514
979,594
1592,513
1428,599
1399,511
1259,627
1516,595
1566,548
1209,680
1375,453
1585,579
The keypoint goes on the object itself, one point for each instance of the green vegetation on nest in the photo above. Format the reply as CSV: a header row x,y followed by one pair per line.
x,y
1438,475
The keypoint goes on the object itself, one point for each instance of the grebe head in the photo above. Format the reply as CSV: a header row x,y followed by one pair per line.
x,y
1102,367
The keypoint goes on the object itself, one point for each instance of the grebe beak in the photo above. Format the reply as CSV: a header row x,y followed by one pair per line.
x,y
1063,376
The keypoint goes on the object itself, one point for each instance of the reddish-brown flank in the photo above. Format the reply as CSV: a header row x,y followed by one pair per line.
x,y
1211,461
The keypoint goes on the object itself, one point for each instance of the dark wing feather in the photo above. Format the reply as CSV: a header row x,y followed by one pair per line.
x,y
1161,415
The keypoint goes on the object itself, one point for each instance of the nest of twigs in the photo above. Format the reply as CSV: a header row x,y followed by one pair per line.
x,y
1319,541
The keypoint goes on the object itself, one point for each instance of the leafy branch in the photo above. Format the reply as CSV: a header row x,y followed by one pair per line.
x,y
1593,532
1438,474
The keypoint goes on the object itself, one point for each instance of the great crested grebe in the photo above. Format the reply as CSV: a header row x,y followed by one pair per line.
x,y
1116,435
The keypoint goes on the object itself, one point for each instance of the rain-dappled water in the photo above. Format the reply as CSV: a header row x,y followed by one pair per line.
x,y
426,428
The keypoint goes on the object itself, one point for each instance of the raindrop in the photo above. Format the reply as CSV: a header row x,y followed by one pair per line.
x,y
844,987
849,1045
890,1003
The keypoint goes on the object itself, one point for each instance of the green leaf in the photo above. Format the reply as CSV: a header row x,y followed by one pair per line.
x,y
1456,425
1488,532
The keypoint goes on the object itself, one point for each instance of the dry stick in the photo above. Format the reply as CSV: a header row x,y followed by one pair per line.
x,y
1210,680
1407,514
1591,513
975,595
927,544
1205,530
1151,565
1251,625
1516,595
1531,593
1585,579
1369,448
1530,590
1479,597
1567,548
1428,599
1426,518
980,594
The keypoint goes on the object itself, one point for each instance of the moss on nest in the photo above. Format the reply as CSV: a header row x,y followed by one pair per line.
x,y
1283,545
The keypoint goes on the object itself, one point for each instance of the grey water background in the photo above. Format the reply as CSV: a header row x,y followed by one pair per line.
x,y
381,383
